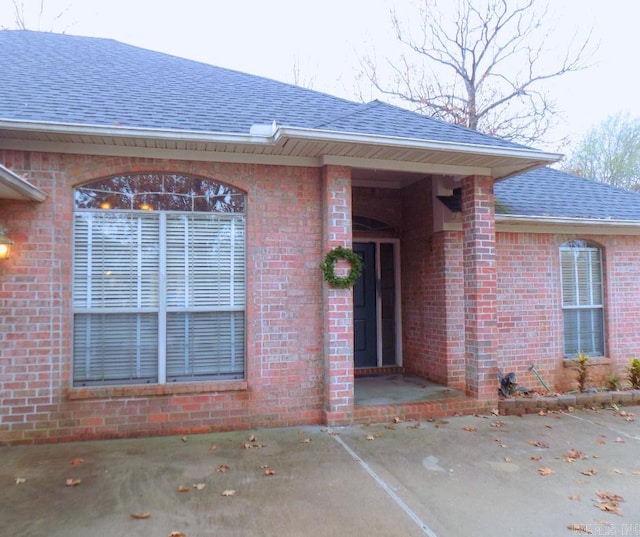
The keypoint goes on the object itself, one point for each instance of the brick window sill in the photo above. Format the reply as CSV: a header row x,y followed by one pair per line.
x,y
599,360
153,390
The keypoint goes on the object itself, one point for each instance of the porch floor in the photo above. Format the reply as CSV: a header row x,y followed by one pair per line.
x,y
399,388
379,398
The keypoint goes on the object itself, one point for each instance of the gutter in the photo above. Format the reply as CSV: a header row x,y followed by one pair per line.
x,y
559,220
274,134
22,188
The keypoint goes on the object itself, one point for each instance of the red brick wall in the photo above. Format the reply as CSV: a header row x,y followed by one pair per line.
x,y
285,367
479,254
530,307
338,303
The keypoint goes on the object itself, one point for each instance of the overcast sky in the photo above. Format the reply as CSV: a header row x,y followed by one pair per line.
x,y
325,39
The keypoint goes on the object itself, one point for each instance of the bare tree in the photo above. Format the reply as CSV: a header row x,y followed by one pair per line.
x,y
610,153
483,67
299,79
21,21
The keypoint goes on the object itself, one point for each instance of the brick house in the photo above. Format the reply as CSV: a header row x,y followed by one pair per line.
x,y
168,220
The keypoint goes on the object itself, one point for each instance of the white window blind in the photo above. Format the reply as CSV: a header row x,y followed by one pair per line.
x,y
158,296
582,299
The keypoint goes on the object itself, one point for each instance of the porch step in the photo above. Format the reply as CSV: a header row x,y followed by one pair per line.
x,y
421,410
385,370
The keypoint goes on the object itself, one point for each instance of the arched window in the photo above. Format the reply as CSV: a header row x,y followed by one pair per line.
x,y
582,298
158,280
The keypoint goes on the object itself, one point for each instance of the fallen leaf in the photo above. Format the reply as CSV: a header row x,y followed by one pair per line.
x,y
536,457
390,426
305,441
199,486
213,448
507,459
609,507
504,445
609,497
495,412
497,423
601,441
397,420
370,437
246,446
184,439
573,455
182,488
252,438
20,480
635,472
269,471
76,462
575,497
619,440
542,413
177,534
539,443
222,468
140,516
470,429
579,527
228,493
589,472
546,471
71,482
616,471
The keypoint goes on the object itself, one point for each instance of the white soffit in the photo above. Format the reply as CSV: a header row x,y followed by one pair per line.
x,y
276,145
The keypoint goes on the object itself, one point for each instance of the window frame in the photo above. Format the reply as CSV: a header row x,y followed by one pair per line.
x,y
593,288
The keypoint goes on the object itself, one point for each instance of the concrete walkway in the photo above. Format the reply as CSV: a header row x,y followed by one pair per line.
x,y
457,477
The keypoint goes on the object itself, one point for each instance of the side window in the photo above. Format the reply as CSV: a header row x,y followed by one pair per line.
x,y
582,298
158,280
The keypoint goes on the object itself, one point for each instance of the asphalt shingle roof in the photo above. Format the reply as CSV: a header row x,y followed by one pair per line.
x,y
48,77
551,192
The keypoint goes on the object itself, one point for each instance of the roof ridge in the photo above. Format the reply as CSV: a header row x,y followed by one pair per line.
x,y
359,108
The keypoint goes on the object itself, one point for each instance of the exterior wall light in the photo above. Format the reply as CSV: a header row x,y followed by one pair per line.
x,y
5,244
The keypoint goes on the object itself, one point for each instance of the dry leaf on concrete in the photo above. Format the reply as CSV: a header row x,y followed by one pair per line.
x,y
546,471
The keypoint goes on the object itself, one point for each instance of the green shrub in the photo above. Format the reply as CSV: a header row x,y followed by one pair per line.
x,y
613,382
633,372
582,376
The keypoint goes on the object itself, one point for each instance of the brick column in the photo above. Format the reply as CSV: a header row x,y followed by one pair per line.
x,y
479,259
338,303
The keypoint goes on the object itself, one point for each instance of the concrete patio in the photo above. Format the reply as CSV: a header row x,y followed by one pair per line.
x,y
455,477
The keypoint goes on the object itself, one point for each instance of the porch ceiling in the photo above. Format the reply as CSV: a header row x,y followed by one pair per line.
x,y
387,160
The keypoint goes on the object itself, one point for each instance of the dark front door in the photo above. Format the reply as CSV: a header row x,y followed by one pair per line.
x,y
365,335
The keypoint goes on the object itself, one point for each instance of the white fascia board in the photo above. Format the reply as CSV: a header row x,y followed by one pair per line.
x,y
134,132
550,224
19,187
415,143
279,134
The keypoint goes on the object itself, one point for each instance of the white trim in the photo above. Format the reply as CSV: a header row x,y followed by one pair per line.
x,y
18,187
279,133
549,224
405,166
